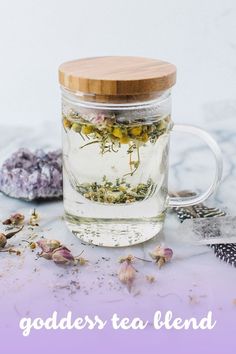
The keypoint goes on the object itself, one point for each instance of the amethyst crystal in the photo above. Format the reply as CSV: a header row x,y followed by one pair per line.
x,y
32,175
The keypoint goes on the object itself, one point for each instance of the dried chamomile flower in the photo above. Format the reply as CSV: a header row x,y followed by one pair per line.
x,y
32,245
14,219
127,272
34,218
161,255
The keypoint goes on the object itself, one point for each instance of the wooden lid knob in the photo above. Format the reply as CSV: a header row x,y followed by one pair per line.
x,y
117,75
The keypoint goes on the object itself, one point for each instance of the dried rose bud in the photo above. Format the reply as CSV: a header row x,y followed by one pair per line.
x,y
63,255
15,219
127,271
48,246
161,255
3,240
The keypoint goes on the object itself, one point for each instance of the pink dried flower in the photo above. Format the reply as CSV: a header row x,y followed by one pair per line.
x,y
127,271
99,119
15,219
62,255
48,245
161,255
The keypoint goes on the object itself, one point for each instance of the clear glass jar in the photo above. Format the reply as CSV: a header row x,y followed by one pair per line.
x,y
115,168
116,129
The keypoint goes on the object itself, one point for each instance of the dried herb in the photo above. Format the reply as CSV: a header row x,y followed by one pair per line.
x,y
115,193
111,135
11,250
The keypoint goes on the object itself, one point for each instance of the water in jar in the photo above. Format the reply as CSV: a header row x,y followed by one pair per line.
x,y
115,174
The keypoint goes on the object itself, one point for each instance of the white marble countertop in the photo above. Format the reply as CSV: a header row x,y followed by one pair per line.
x,y
193,283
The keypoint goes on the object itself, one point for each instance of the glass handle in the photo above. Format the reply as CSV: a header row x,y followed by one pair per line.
x,y
196,199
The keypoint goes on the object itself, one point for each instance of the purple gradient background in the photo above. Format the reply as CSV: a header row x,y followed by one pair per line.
x,y
219,340
111,341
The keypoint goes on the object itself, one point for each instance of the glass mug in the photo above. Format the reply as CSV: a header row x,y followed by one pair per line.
x,y
115,162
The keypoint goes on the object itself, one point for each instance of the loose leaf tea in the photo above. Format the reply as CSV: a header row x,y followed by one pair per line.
x,y
115,193
111,134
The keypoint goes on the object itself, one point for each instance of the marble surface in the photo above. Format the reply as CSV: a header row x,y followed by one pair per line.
x,y
194,282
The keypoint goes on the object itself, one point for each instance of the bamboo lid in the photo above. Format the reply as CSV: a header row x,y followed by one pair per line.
x,y
117,75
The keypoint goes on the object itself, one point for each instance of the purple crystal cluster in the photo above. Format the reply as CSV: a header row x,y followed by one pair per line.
x,y
32,175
